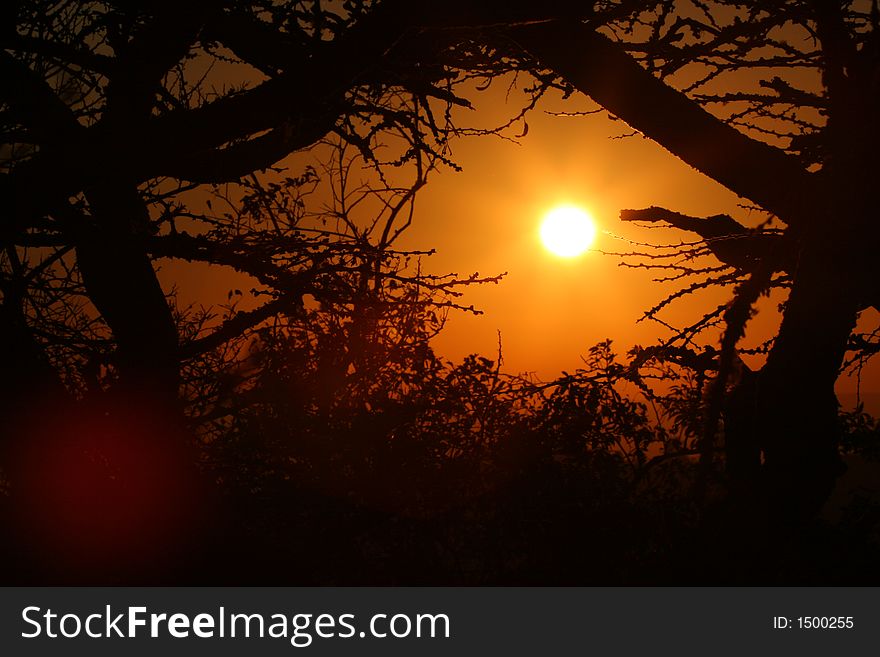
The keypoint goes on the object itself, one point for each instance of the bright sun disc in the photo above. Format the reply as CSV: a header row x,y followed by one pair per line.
x,y
567,231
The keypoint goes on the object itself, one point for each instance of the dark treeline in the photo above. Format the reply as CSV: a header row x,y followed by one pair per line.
x,y
338,448
440,473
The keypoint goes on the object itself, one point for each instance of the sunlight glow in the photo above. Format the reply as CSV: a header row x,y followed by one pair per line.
x,y
567,231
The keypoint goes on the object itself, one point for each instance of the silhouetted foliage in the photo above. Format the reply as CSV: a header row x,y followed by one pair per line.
x,y
305,429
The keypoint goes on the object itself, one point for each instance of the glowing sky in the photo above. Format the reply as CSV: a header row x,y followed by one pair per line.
x,y
550,310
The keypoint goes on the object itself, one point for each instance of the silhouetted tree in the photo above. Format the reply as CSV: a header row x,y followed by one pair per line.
x,y
136,132
778,102
118,110
117,120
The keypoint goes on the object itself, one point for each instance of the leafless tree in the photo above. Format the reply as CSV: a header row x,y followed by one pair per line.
x,y
113,112
778,102
118,117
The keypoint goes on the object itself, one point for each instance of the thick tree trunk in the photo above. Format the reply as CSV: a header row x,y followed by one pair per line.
x,y
122,284
105,489
796,406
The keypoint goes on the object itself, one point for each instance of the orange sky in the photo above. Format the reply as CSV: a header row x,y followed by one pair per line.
x,y
550,310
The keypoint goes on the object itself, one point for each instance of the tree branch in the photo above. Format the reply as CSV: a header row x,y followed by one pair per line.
x,y
239,323
727,239
601,69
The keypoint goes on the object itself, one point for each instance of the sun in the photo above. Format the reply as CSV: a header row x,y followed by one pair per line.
x,y
567,231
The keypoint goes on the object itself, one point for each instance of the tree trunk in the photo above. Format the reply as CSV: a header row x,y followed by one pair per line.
x,y
794,412
122,283
796,404
106,489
